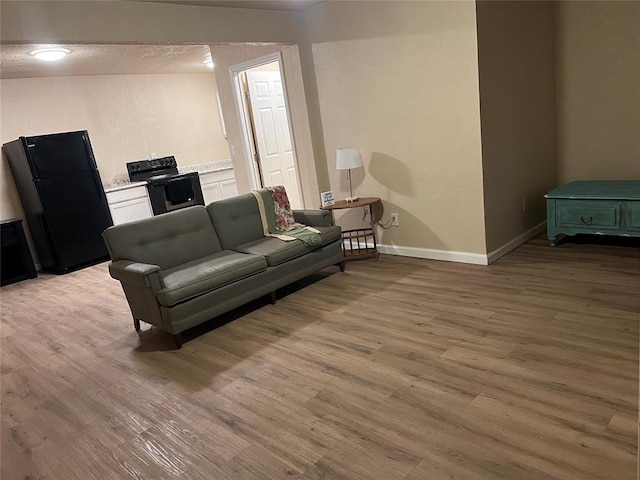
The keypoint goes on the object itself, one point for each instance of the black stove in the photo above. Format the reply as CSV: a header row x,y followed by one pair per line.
x,y
168,190
145,169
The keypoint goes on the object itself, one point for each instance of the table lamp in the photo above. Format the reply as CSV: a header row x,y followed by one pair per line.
x,y
348,158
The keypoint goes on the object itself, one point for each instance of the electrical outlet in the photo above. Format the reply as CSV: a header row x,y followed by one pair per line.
x,y
394,220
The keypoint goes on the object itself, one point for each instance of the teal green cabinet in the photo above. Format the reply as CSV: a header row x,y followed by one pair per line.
x,y
633,217
597,207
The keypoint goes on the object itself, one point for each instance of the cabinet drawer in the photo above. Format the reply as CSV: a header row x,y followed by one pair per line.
x,y
131,210
218,185
588,214
126,194
633,216
8,234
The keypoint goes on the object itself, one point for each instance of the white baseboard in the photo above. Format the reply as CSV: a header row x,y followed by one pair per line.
x,y
433,254
461,257
516,242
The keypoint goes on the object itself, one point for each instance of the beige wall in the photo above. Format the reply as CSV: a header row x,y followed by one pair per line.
x,y
128,117
118,21
107,22
104,22
517,110
226,56
598,110
400,81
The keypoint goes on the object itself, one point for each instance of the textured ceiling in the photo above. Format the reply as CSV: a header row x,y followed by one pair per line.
x,y
16,62
295,5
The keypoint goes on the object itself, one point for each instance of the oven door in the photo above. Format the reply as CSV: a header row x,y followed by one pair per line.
x,y
175,192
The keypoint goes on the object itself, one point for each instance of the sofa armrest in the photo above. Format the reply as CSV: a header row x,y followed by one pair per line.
x,y
313,218
139,274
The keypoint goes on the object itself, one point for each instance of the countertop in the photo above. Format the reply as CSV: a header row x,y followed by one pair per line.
x,y
124,183
207,167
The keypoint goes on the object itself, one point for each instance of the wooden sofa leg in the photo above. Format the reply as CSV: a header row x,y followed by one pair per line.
x,y
136,324
342,265
273,298
177,339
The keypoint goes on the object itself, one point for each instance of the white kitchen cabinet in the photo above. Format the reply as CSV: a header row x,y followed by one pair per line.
x,y
218,185
129,204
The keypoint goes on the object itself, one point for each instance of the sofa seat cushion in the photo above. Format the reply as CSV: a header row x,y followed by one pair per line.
x,y
276,251
206,274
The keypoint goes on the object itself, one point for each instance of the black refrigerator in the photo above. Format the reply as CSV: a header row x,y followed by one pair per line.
x,y
62,197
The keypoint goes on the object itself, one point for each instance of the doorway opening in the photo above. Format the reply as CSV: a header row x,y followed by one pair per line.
x,y
264,116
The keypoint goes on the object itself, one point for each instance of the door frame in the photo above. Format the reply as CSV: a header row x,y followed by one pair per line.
x,y
245,125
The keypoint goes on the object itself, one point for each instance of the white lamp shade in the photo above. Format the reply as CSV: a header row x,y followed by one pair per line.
x,y
348,157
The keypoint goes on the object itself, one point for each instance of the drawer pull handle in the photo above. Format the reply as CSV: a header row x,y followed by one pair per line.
x,y
587,222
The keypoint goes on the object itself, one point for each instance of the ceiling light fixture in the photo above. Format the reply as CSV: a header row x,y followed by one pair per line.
x,y
50,54
208,63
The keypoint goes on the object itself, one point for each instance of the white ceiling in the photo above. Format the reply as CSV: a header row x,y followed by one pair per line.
x,y
15,61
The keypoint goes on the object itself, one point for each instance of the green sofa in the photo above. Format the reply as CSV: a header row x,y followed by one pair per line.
x,y
185,267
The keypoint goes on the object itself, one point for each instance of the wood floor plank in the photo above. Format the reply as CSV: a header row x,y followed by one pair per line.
x,y
579,455
399,368
483,467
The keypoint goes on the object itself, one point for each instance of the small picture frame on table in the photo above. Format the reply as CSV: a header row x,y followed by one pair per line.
x,y
327,199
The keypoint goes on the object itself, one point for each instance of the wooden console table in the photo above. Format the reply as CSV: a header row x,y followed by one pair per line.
x,y
357,243
596,207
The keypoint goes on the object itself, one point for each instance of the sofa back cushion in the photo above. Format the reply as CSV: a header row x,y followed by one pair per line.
x,y
166,240
237,220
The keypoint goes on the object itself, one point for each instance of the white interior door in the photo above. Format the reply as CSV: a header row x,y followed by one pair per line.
x,y
272,133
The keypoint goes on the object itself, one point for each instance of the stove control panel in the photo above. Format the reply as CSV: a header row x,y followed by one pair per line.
x,y
143,169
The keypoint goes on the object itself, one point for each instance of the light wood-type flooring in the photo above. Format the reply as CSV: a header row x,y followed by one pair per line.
x,y
398,369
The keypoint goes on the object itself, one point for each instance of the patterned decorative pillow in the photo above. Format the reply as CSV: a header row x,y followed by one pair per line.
x,y
284,214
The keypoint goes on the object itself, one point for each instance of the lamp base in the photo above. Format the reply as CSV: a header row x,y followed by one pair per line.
x,y
351,199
